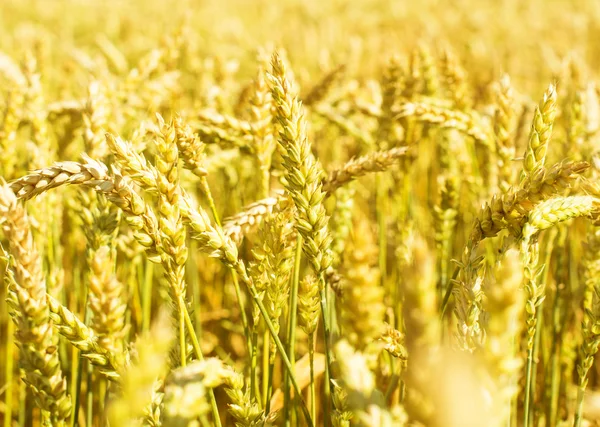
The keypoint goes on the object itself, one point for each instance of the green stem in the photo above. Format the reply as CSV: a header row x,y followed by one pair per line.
x,y
254,382
292,319
78,393
182,341
90,370
313,394
449,292
328,353
556,332
269,392
528,388
75,382
394,381
265,368
531,372
90,394
147,295
579,410
238,295
282,354
211,201
10,348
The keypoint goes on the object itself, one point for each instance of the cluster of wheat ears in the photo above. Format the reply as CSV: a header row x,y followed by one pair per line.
x,y
182,245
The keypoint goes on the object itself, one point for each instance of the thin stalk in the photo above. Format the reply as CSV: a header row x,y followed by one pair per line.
x,y
89,396
448,293
282,354
537,347
269,392
292,319
193,280
265,368
531,356
182,344
332,313
313,394
10,347
78,393
136,311
528,388
394,381
328,353
254,383
579,411
554,386
75,383
90,369
238,294
444,263
393,375
402,391
531,374
210,199
147,295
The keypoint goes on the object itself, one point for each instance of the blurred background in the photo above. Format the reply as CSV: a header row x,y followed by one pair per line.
x,y
527,39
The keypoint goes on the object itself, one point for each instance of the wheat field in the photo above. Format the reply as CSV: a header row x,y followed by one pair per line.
x,y
300,213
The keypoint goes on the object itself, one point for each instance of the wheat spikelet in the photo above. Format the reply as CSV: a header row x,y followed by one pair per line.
x,y
190,148
503,127
270,272
261,105
244,222
29,310
552,211
541,131
454,78
251,216
509,210
374,162
390,88
85,339
302,178
321,89
115,188
467,123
